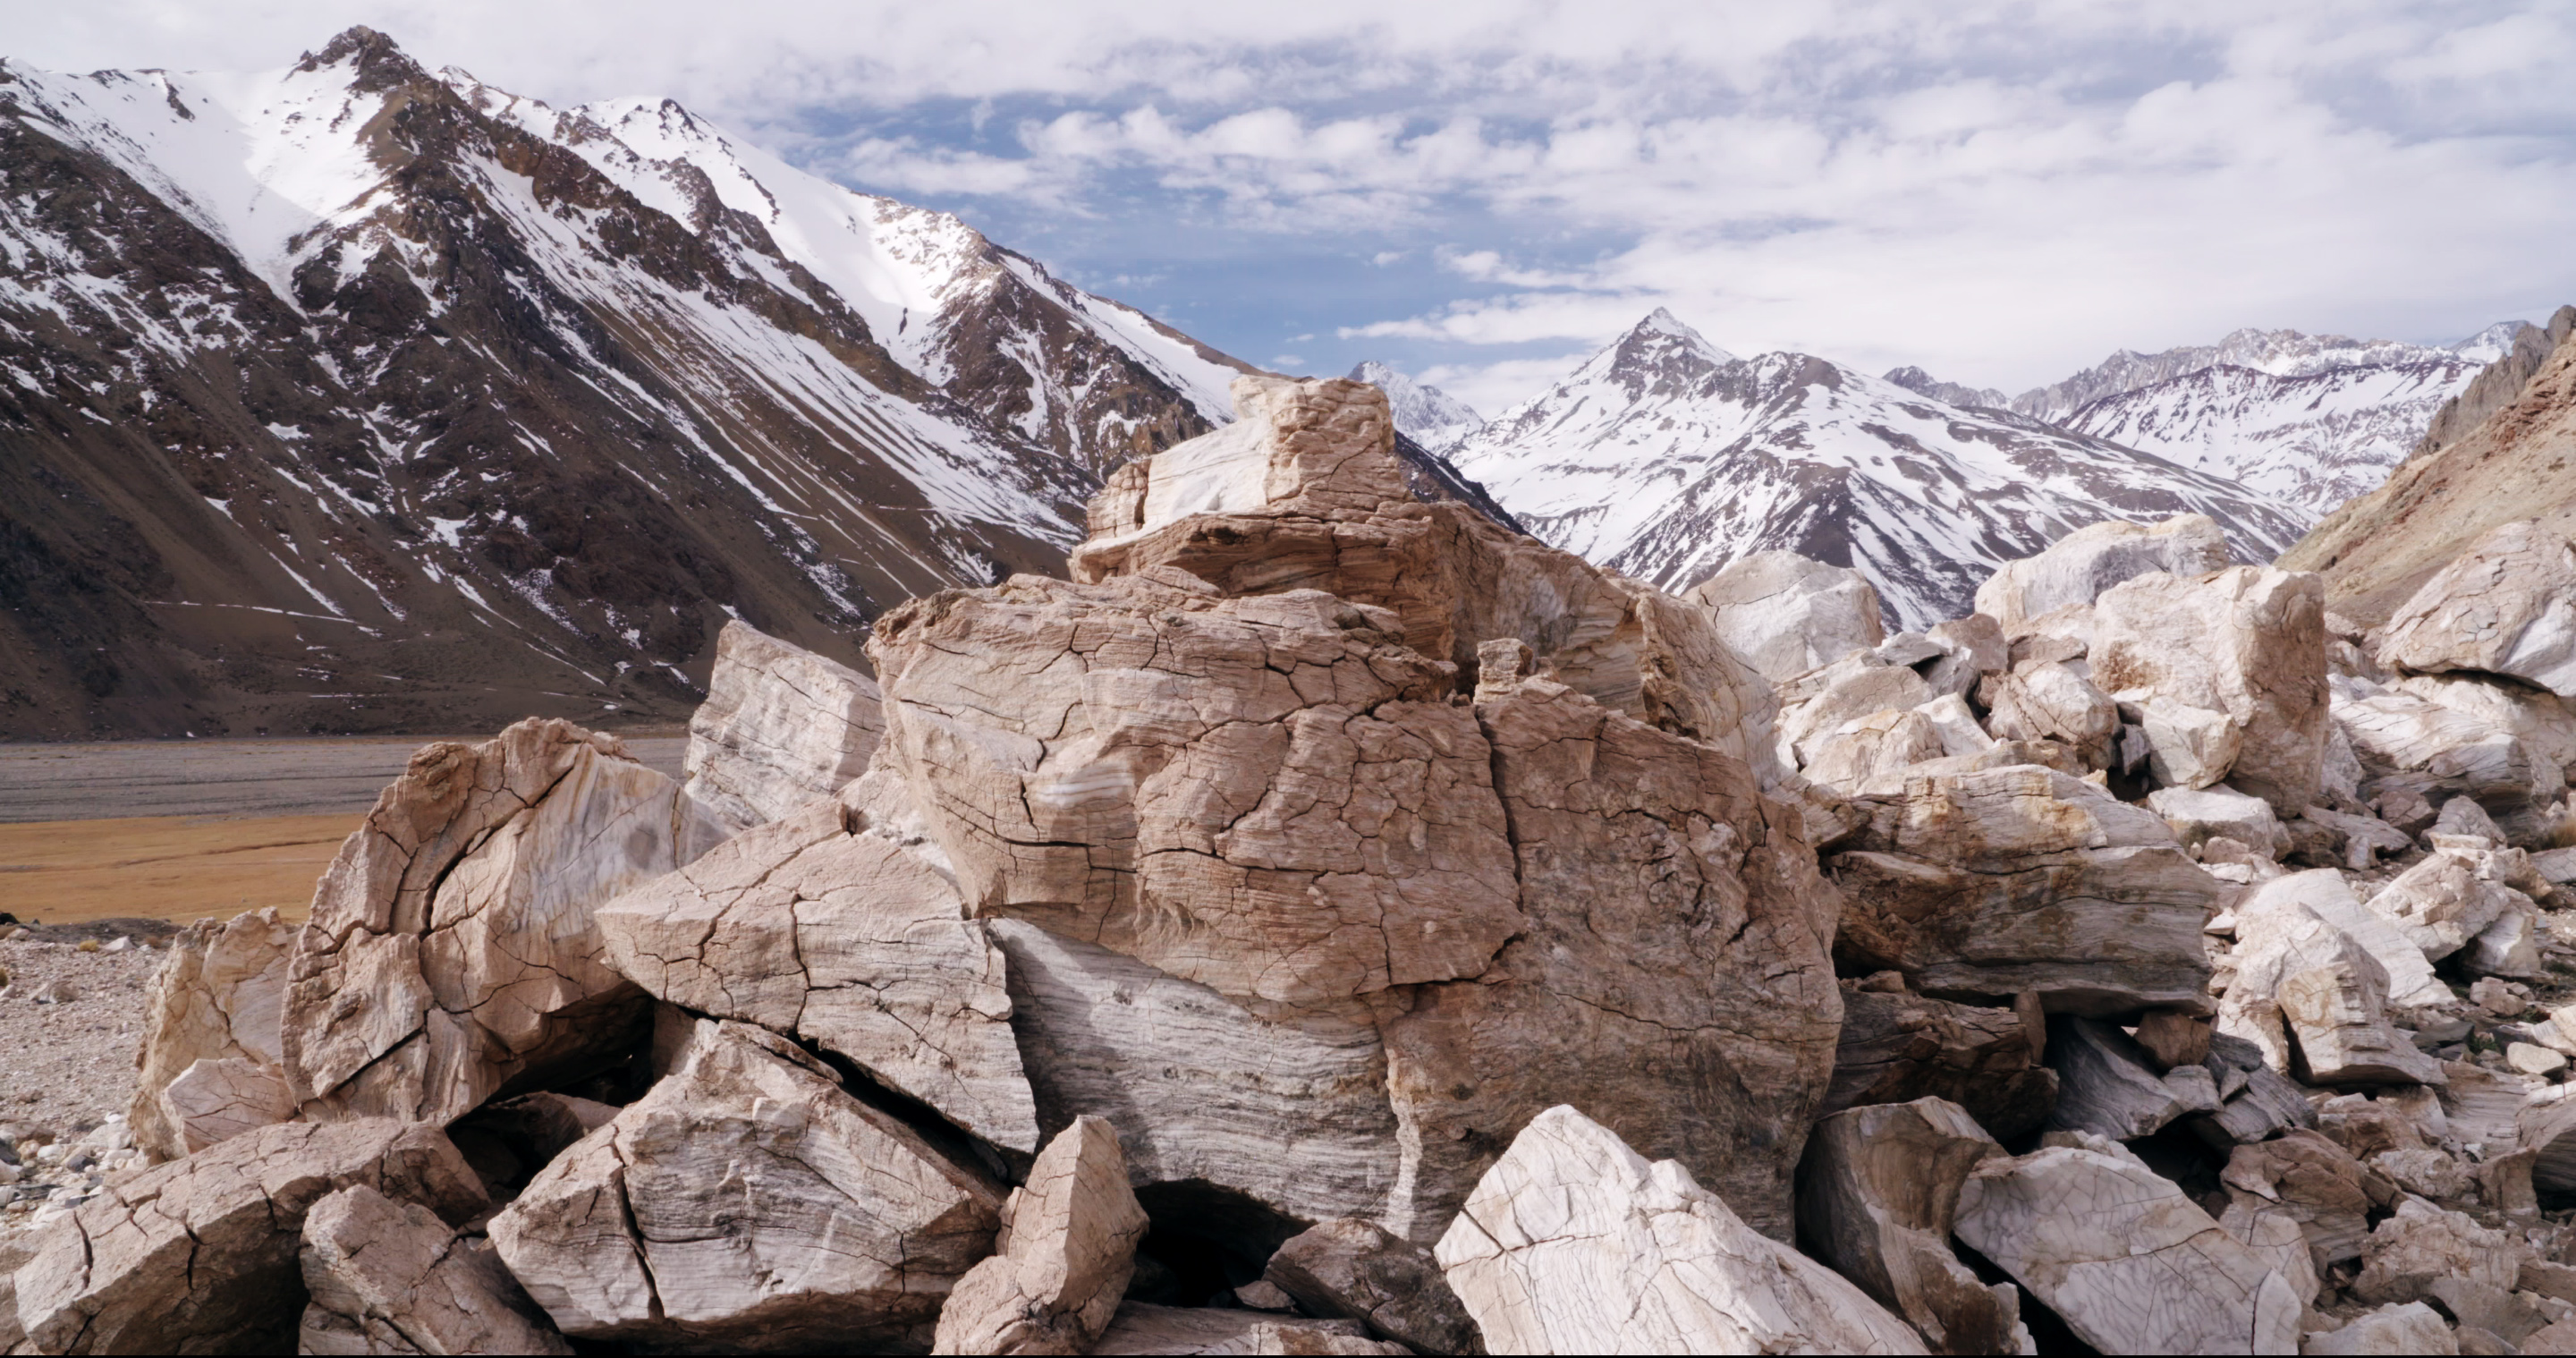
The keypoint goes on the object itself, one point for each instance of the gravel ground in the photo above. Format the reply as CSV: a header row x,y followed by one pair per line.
x,y
69,1065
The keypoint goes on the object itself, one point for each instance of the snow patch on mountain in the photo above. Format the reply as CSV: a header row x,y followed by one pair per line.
x,y
1427,415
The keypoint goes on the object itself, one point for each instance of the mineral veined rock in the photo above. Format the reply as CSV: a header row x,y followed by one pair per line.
x,y
2506,606
2078,567
1786,614
451,949
692,1218
824,926
390,1277
199,1255
1991,883
1573,1243
1878,1194
2312,996
2248,641
2130,1263
217,1000
781,727
1062,1261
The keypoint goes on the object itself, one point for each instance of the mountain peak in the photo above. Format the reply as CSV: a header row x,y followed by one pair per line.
x,y
380,62
1425,414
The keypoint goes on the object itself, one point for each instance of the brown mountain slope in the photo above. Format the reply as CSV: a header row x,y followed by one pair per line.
x,y
2519,463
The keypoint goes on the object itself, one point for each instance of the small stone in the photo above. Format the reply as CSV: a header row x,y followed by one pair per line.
x,y
2495,995
2174,1039
57,991
2534,1060
1882,983
1262,1296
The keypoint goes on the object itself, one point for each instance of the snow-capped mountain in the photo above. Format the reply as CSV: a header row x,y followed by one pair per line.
x,y
2309,420
351,395
1666,457
1427,415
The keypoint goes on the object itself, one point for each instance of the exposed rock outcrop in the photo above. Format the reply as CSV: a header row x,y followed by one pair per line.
x,y
2078,567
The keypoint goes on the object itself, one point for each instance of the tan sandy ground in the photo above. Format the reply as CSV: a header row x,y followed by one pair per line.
x,y
177,868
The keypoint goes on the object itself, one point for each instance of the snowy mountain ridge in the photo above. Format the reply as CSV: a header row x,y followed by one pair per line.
x,y
1426,414
1666,457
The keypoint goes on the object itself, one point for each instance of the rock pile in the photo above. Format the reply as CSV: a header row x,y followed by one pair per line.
x,y
1333,923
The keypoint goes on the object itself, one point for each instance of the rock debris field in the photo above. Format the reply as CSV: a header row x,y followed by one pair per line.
x,y
1332,923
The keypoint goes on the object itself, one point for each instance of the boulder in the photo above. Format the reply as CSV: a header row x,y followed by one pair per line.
x,y
1883,743
2078,567
2199,816
2187,747
781,727
2171,1039
2506,606
1268,795
828,925
1991,883
2052,702
2119,1253
2411,981
1956,724
2544,722
1573,1243
1896,1048
2256,1104
2366,838
1142,1328
216,1002
1877,1196
2420,1244
2310,1180
390,1277
1972,648
1285,1106
199,1255
1787,615
2410,1328
1852,692
2248,641
2448,900
451,951
691,1219
1355,1270
2433,753
2108,1085
1673,975
1303,491
1066,1250
2544,1128
2312,997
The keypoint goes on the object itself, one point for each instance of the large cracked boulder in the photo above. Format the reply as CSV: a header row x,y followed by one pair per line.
x,y
1269,795
839,927
781,727
451,952
1786,614
2120,1254
2434,752
2078,567
1991,883
200,1255
1574,1243
2506,606
1061,1264
1673,976
390,1277
2249,641
693,1218
210,1065
1897,1048
1303,491
1878,1194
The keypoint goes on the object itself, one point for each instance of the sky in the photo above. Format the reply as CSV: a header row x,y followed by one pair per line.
x,y
1483,193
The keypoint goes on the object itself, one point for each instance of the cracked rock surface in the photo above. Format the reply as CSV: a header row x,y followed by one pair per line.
x,y
390,1277
748,1200
1061,1263
781,727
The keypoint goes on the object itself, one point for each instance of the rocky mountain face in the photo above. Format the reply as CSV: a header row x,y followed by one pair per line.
x,y
357,396
1666,457
1334,923
2460,485
1427,415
